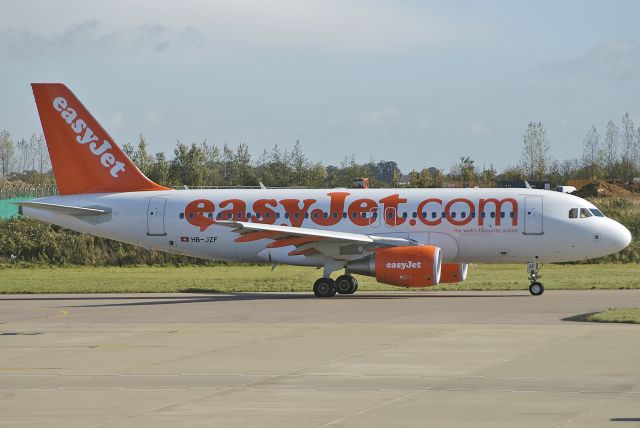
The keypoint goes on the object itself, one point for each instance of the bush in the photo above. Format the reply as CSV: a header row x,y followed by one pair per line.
x,y
31,241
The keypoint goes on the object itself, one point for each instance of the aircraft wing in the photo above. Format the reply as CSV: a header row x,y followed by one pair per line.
x,y
309,241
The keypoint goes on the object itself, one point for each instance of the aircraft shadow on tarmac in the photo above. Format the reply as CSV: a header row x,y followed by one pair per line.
x,y
224,297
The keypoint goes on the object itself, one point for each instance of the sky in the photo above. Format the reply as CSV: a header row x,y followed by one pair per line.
x,y
418,82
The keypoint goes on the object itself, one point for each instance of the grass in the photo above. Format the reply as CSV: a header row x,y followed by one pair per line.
x,y
623,315
146,279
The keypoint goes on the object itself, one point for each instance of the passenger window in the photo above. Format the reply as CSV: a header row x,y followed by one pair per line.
x,y
573,213
584,212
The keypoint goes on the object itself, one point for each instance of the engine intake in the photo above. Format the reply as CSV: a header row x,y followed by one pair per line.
x,y
418,266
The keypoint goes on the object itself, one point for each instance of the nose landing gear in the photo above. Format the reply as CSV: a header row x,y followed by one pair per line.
x,y
536,288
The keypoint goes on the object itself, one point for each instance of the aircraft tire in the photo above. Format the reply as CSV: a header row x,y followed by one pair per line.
x,y
324,287
536,288
346,284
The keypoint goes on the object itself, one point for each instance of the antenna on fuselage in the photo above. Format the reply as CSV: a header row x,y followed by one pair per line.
x,y
527,185
262,186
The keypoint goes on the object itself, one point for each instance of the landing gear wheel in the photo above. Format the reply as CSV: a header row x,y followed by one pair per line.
x,y
536,288
346,284
324,287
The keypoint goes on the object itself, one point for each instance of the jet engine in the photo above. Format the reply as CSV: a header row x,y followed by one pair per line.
x,y
418,266
453,272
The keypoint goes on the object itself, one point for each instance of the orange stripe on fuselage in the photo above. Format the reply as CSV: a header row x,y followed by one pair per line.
x,y
255,236
307,252
292,241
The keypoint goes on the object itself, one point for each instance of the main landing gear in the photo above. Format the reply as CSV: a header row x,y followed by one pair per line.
x,y
327,287
536,288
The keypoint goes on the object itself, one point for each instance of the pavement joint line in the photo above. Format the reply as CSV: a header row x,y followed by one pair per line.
x,y
149,411
214,350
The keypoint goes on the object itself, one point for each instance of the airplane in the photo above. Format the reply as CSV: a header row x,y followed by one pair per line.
x,y
403,237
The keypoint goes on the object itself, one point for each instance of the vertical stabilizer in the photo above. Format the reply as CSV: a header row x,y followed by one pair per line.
x,y
85,159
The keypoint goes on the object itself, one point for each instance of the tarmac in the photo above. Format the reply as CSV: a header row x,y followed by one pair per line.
x,y
393,359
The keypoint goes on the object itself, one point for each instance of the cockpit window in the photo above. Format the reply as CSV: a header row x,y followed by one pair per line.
x,y
584,212
596,212
573,213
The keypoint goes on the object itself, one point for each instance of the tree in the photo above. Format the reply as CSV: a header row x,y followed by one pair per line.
x,y
437,177
536,157
629,159
591,151
41,154
610,149
160,170
141,156
299,164
7,150
464,170
243,170
488,175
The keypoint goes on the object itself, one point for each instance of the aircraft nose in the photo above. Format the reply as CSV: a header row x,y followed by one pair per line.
x,y
620,236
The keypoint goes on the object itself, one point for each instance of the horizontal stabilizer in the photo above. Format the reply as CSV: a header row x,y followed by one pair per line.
x,y
65,209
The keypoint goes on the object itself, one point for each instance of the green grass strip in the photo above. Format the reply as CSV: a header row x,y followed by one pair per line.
x,y
254,278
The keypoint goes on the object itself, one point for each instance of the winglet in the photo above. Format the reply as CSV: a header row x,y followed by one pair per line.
x,y
84,157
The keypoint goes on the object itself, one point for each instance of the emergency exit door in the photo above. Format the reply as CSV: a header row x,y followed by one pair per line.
x,y
155,217
533,215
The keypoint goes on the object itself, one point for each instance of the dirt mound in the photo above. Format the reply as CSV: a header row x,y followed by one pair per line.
x,y
602,189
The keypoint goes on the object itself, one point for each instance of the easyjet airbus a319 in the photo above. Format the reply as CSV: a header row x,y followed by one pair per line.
x,y
403,237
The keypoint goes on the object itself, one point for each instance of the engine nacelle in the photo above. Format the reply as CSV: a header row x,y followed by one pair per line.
x,y
453,272
418,266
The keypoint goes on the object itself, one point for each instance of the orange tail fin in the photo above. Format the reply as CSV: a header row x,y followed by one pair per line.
x,y
84,157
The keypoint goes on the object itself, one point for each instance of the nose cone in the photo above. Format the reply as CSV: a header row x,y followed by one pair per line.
x,y
620,237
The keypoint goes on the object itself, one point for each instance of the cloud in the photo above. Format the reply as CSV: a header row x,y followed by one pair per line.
x,y
617,60
225,27
381,116
91,38
472,131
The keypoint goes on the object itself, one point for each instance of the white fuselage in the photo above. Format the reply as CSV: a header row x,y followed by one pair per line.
x,y
469,225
